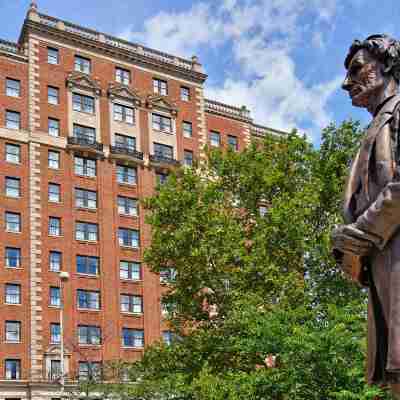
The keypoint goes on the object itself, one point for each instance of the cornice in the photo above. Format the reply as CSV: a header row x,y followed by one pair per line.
x,y
83,81
88,42
162,103
11,50
225,110
117,90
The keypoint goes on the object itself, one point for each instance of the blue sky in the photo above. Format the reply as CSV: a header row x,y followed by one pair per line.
x,y
283,58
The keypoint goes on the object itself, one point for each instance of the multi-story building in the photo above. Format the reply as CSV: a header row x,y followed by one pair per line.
x,y
89,123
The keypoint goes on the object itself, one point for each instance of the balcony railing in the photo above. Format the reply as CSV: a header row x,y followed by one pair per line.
x,y
126,151
161,158
85,141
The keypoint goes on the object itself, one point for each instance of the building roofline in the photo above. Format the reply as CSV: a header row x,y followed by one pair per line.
x,y
11,49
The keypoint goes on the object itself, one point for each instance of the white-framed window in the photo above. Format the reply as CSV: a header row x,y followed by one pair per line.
x,y
55,261
82,64
87,231
128,237
132,338
87,265
122,75
55,333
55,369
124,113
88,299
88,334
188,158
130,270
53,56
127,206
168,337
53,159
13,187
54,226
187,129
160,86
13,87
131,304
85,166
215,139
185,93
162,123
126,175
86,133
163,151
167,275
13,222
12,293
13,331
54,192
12,369
13,153
53,127
13,257
83,103
55,296
125,142
53,95
85,198
233,143
89,370
13,119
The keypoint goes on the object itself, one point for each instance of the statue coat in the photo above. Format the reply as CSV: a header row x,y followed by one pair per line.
x,y
372,204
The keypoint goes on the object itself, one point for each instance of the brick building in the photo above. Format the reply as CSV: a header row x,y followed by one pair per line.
x,y
89,123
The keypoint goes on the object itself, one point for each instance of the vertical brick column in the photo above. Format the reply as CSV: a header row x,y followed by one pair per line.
x,y
201,122
246,134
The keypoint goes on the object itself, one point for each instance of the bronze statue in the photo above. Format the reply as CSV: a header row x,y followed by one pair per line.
x,y
368,246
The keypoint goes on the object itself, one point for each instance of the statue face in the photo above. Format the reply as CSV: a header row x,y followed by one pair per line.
x,y
364,80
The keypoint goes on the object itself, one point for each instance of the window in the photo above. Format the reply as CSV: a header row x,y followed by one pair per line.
x,y
82,64
162,123
125,142
161,177
55,261
89,334
13,153
13,187
167,275
131,304
128,237
13,369
122,76
54,192
55,333
163,151
13,119
13,331
54,159
215,139
54,127
187,129
86,231
129,270
55,296
13,87
233,143
52,95
185,93
85,133
132,338
88,299
13,293
168,337
54,226
55,369
87,265
85,199
13,257
263,210
89,370
127,175
52,56
124,114
127,206
188,158
160,86
85,166
82,103
13,222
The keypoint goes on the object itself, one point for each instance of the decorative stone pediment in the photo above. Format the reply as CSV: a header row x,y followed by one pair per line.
x,y
116,91
161,103
82,81
55,350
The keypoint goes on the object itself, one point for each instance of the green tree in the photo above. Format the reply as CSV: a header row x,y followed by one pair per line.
x,y
253,287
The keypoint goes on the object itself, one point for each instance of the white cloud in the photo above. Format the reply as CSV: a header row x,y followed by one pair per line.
x,y
261,36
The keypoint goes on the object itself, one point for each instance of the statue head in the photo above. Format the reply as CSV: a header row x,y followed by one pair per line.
x,y
373,71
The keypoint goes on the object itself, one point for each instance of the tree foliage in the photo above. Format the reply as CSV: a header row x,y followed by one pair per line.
x,y
270,280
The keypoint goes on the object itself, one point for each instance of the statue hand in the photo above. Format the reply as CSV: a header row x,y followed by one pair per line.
x,y
349,239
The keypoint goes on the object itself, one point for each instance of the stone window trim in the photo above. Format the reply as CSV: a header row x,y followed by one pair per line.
x,y
119,92
83,84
